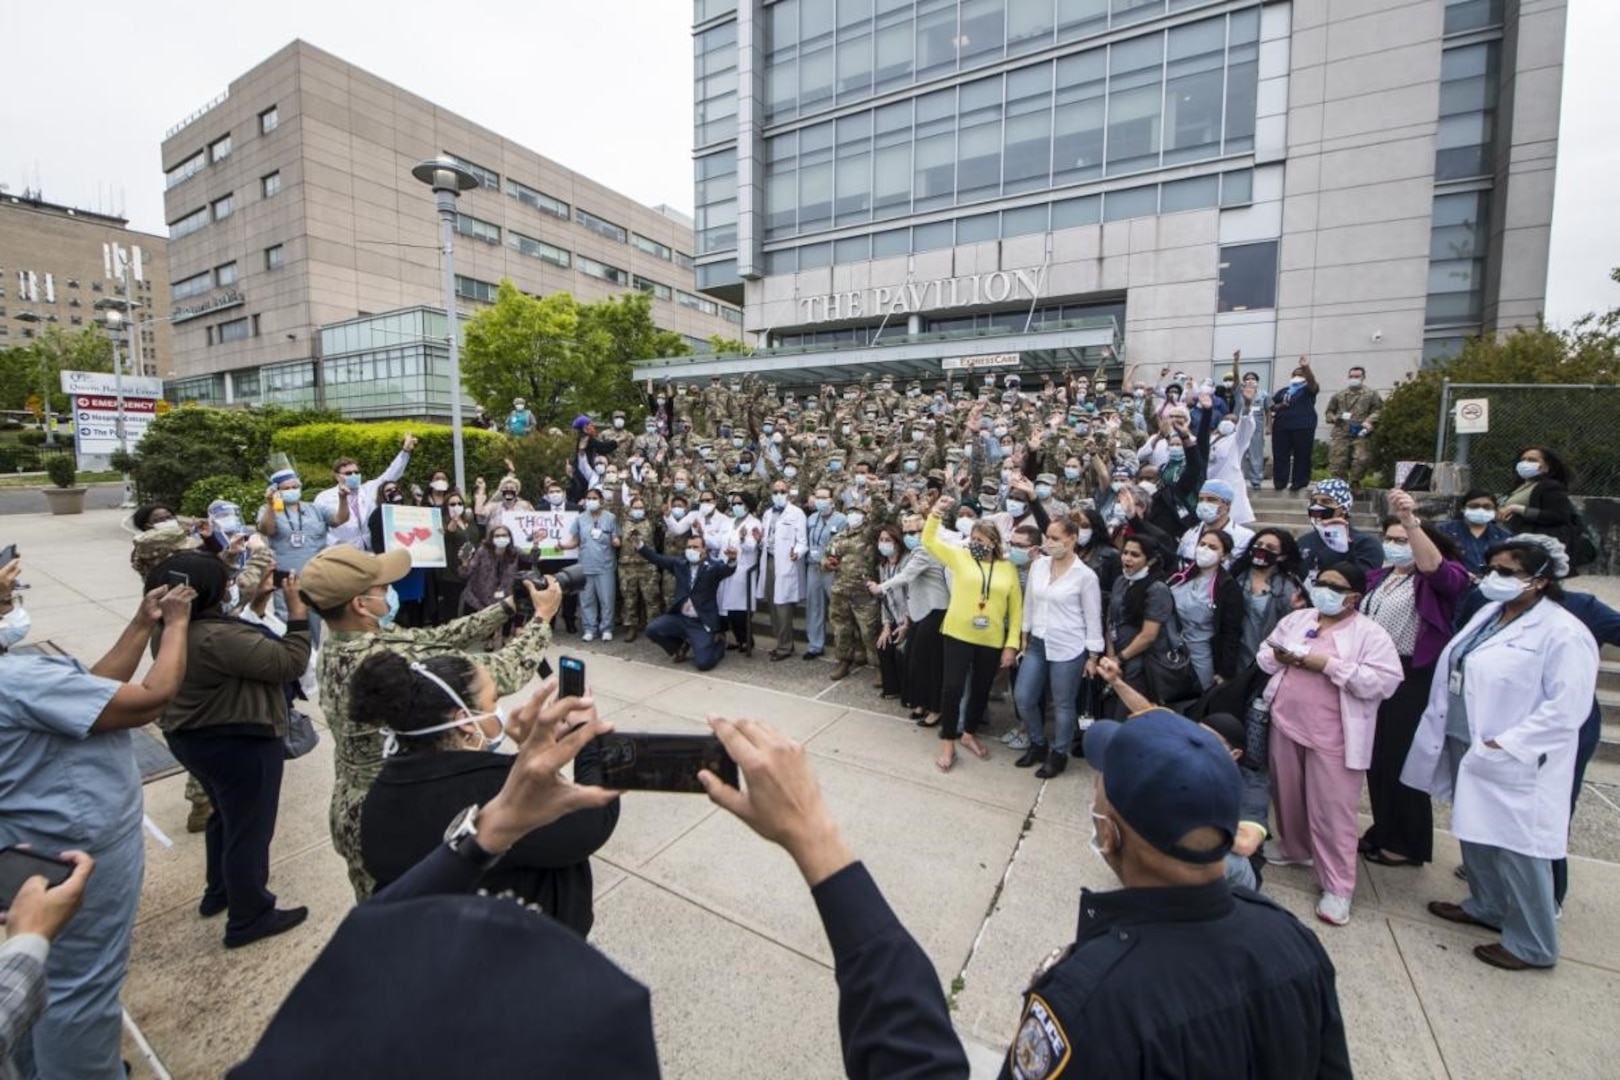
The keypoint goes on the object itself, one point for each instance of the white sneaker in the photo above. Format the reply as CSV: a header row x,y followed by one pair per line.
x,y
1019,741
1274,856
607,635
588,636
1333,908
1010,734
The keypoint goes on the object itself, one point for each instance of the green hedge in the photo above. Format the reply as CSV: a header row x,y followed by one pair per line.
x,y
247,494
31,437
192,443
314,447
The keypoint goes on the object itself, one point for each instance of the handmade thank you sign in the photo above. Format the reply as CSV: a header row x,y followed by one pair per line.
x,y
416,529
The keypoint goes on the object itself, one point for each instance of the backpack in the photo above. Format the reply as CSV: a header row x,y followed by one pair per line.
x,y
1585,546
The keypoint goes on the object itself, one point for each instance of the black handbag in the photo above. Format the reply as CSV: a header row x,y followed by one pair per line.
x,y
1171,680
301,735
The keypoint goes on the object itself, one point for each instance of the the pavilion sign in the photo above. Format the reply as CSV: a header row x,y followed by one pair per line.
x,y
913,297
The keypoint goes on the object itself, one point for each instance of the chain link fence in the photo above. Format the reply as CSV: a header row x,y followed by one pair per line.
x,y
1578,423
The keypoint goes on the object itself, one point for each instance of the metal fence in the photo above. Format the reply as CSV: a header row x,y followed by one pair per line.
x,y
31,459
1579,423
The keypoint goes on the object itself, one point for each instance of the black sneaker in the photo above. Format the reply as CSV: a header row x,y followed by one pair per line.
x,y
273,922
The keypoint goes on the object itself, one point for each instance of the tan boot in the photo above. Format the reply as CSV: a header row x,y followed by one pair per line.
x,y
630,635
841,671
197,820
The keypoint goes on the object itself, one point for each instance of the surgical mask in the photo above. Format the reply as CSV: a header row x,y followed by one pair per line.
x,y
1327,601
1138,576
1043,491
1527,470
694,556
964,525
677,512
913,541
706,508
821,440
1018,556
680,485
14,627
999,430
650,429
456,509
791,471
1352,382
593,505
737,443
1478,515
1208,512
440,485
638,515
886,548
855,518
738,510
1336,535
288,495
1206,557
1070,474
1397,554
386,619
502,542
618,423
834,465
1016,507
1297,380
910,466
1177,454
917,436
860,479
555,498
1054,549
979,550
1500,589
779,499
1149,486
1226,427
1083,538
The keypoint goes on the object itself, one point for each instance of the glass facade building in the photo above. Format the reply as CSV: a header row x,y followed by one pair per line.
x,y
1215,174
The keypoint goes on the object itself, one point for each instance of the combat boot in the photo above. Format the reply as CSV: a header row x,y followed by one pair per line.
x,y
841,671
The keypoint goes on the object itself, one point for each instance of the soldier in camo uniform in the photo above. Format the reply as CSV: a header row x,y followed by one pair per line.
x,y
351,590
638,578
853,614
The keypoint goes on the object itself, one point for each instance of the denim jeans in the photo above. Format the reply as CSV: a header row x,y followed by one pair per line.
x,y
1060,680
817,598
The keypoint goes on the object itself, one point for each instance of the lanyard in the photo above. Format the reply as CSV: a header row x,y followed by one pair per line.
x,y
1460,658
288,516
987,573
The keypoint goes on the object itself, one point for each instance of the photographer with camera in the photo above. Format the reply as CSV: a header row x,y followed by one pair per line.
x,y
352,590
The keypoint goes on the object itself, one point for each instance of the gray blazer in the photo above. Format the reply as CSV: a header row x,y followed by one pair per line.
x,y
922,578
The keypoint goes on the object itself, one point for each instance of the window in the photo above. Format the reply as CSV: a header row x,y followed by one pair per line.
x,y
195,285
716,211
1134,98
537,249
697,303
185,170
1465,15
731,315
271,184
602,270
187,225
538,200
1458,239
601,226
1248,277
684,261
269,120
274,257
226,274
234,330
653,288
651,247
1028,159
715,87
1464,142
478,229
473,289
224,208
487,177
220,150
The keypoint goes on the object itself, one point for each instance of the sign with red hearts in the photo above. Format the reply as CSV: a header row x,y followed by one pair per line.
x,y
416,529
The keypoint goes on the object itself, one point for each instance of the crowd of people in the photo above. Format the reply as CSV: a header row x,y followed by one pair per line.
x,y
1091,550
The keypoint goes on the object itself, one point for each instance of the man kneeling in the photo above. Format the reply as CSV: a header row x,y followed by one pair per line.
x,y
693,625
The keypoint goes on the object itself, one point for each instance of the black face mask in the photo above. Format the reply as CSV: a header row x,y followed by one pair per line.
x,y
1263,557
393,497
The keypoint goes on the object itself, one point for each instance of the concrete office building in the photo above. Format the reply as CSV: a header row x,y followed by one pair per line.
x,y
57,261
291,206
910,182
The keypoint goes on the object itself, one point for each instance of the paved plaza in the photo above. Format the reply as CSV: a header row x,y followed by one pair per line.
x,y
984,866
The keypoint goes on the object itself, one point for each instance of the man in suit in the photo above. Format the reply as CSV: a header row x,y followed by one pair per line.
x,y
693,625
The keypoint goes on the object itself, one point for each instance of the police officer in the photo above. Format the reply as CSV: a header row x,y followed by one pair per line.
x,y
1352,412
1177,974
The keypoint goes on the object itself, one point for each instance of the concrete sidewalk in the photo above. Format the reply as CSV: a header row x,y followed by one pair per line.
x,y
984,866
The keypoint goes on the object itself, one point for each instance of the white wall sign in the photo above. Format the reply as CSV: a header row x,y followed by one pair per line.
x,y
95,408
103,382
974,363
1474,416
995,287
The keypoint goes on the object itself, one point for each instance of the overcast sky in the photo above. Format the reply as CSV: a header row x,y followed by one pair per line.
x,y
602,86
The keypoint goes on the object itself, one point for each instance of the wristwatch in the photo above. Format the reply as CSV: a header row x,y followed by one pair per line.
x,y
462,838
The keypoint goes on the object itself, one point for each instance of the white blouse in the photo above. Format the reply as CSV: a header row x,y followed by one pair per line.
x,y
1065,614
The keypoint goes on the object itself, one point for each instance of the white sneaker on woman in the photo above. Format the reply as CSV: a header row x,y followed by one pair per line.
x,y
1273,855
1333,908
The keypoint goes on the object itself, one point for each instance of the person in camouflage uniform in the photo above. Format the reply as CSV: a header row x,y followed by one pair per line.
x,y
1351,413
350,589
853,614
638,579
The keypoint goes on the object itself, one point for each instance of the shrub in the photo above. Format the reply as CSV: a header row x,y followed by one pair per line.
x,y
31,437
248,494
61,470
191,443
314,447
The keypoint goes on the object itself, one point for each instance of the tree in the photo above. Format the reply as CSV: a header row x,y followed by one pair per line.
x,y
563,357
728,346
26,369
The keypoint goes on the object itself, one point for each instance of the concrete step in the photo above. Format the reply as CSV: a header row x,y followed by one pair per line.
x,y
1609,675
1608,748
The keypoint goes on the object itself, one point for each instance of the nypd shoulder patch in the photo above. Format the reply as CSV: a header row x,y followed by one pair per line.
x,y
1041,1049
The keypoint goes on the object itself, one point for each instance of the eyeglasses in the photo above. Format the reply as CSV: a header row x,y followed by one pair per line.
x,y
1505,571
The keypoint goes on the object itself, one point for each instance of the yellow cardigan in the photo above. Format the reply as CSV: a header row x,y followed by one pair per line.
x,y
1004,608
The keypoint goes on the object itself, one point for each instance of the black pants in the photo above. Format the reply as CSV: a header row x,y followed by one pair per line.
x,y
971,666
891,665
741,626
1291,457
1403,817
242,775
924,662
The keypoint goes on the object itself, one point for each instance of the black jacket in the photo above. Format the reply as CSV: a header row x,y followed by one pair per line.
x,y
1172,503
703,594
417,795
1549,513
577,487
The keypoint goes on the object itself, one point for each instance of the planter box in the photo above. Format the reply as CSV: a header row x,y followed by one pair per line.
x,y
65,500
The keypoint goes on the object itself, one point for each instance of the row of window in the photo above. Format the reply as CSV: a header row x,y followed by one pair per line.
x,y
485,291
215,152
222,208
232,330
197,284
1012,320
1234,188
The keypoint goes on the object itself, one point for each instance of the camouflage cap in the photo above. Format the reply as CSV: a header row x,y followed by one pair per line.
x,y
155,545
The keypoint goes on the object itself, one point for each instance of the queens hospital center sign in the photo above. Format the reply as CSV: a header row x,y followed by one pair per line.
x,y
996,287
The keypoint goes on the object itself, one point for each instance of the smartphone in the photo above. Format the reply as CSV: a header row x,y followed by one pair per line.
x,y
279,577
648,762
571,677
8,555
17,865
543,668
176,580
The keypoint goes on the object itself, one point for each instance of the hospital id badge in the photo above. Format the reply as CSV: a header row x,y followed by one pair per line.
x,y
981,622
1454,684
296,539
596,534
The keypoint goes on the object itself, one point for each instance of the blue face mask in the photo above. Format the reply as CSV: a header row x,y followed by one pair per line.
x,y
1018,556
387,618
1070,474
292,496
913,541
1177,454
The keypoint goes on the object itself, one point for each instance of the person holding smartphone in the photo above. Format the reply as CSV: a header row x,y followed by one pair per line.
x,y
38,913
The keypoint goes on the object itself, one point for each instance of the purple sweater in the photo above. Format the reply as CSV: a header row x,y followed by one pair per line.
x,y
1436,596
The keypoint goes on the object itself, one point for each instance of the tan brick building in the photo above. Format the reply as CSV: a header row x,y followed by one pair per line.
x,y
57,261
291,206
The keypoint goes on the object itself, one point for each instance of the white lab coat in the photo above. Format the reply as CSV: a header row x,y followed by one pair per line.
x,y
789,545
1529,688
1226,463
734,593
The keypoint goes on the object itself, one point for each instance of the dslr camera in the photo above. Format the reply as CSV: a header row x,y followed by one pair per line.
x,y
571,579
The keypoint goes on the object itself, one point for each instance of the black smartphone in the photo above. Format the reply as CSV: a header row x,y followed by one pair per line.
x,y
279,577
17,865
543,668
8,555
648,762
570,677
176,580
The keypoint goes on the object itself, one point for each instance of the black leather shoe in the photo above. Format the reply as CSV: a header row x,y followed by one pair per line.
x,y
813,654
1055,763
1033,756
273,922
211,906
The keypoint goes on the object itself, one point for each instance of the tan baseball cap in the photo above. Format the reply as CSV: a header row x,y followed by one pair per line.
x,y
339,574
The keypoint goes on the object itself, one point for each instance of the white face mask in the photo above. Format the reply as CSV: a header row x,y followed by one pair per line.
x,y
964,525
1479,515
1336,535
440,485
14,627
1499,589
1083,539
1327,601
1206,557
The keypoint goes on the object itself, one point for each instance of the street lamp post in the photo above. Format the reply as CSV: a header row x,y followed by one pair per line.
x,y
114,318
448,180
